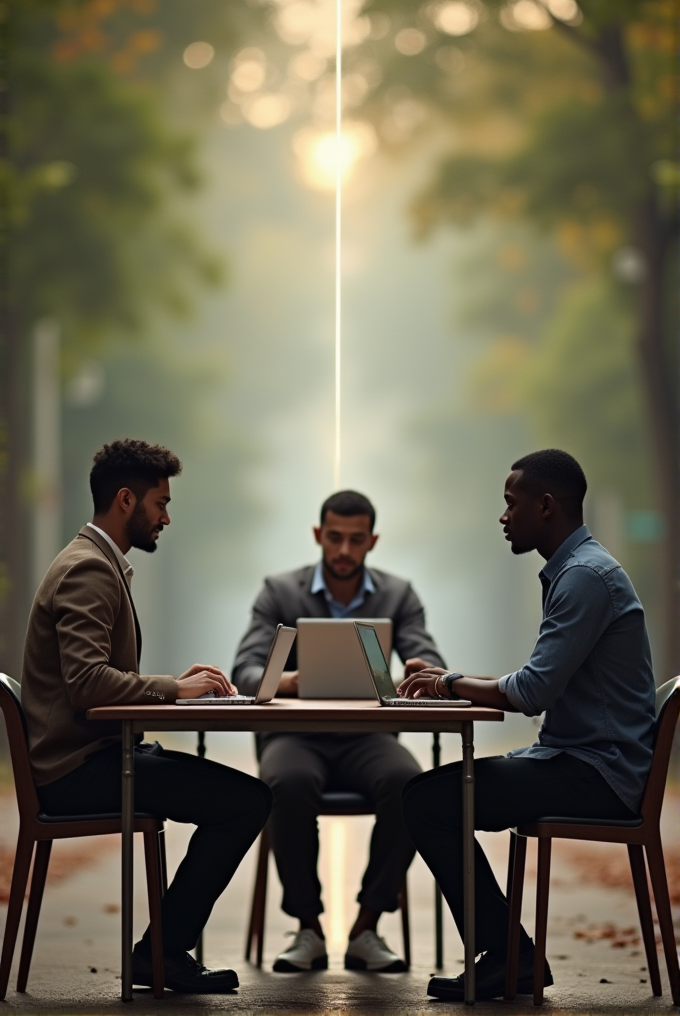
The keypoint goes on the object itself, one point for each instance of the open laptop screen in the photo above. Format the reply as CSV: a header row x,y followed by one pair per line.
x,y
376,660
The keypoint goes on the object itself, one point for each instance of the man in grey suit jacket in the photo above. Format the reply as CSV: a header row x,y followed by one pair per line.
x,y
299,768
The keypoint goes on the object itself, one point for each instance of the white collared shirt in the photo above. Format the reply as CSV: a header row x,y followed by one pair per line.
x,y
126,567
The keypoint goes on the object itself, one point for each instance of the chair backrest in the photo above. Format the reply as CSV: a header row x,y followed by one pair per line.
x,y
17,735
667,710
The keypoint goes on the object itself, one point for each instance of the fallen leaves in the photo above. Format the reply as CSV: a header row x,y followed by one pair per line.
x,y
66,860
619,938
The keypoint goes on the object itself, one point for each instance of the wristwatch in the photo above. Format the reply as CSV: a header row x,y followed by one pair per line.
x,y
447,680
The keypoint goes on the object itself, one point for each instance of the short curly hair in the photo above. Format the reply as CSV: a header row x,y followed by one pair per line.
x,y
129,463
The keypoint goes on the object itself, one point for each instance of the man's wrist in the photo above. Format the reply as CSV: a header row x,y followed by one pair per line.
x,y
448,681
438,686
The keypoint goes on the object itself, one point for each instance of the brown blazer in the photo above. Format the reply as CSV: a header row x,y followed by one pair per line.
x,y
82,650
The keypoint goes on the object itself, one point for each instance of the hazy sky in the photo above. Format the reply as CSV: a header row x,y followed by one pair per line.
x,y
401,356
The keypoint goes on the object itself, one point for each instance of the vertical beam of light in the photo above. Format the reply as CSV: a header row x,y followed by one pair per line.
x,y
338,240
336,894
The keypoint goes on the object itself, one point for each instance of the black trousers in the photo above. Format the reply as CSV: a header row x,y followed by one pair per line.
x,y
228,807
299,768
508,791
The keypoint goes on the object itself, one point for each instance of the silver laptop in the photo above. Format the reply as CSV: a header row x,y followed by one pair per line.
x,y
269,682
381,677
330,661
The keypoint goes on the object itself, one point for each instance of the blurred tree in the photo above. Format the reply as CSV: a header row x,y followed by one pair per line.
x,y
92,173
563,115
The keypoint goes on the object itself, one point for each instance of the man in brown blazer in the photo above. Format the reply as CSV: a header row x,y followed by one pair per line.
x,y
82,650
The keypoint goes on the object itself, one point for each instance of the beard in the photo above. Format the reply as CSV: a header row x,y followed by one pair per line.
x,y
139,532
342,578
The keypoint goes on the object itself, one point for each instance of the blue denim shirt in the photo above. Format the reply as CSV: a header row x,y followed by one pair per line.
x,y
591,669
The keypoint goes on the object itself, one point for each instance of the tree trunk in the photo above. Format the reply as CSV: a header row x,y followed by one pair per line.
x,y
657,361
660,382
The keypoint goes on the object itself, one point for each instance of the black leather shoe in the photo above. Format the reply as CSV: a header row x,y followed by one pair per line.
x,y
182,973
489,979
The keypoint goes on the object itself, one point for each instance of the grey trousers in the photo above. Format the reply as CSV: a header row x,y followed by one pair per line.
x,y
298,768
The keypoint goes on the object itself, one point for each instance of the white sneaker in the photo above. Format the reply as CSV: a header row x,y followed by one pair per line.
x,y
370,952
308,952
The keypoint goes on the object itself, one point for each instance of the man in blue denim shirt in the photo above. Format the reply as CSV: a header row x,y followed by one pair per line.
x,y
590,672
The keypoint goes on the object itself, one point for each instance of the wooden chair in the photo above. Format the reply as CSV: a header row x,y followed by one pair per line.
x,y
38,828
332,803
642,836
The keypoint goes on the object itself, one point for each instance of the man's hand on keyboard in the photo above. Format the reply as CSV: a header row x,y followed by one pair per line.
x,y
423,683
199,679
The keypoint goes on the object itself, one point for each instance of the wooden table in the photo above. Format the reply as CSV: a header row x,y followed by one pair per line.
x,y
298,716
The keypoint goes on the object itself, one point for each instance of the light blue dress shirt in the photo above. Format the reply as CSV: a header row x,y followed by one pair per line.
x,y
337,609
591,669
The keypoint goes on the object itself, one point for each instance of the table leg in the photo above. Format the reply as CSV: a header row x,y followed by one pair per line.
x,y
200,751
469,859
438,905
128,824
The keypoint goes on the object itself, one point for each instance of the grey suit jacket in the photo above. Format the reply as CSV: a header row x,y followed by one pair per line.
x,y
286,597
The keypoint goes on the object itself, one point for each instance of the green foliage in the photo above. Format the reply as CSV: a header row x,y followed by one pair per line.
x,y
569,169
93,176
570,132
582,382
555,348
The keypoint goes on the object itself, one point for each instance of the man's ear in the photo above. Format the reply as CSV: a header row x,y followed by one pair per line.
x,y
126,500
374,539
547,506
317,534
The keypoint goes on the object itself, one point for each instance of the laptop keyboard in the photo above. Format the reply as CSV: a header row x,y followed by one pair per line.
x,y
427,703
234,700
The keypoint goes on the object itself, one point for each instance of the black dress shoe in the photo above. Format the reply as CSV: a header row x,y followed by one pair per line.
x,y
182,973
489,978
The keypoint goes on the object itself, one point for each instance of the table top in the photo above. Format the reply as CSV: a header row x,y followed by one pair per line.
x,y
300,716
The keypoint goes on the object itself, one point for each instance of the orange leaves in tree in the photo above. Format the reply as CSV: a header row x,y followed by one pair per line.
x,y
85,33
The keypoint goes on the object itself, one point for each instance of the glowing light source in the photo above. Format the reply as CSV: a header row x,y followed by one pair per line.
x,y
565,10
410,41
525,16
249,75
321,154
336,896
267,111
338,249
455,18
198,55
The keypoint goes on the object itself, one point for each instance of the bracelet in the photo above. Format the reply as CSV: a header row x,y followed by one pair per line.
x,y
439,678
448,680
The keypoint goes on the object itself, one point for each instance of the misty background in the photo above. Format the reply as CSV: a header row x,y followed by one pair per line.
x,y
172,279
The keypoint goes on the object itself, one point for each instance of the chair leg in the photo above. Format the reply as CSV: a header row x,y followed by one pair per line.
x,y
40,866
639,872
657,873
438,928
152,857
511,863
405,922
164,861
257,911
516,866
22,866
542,892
